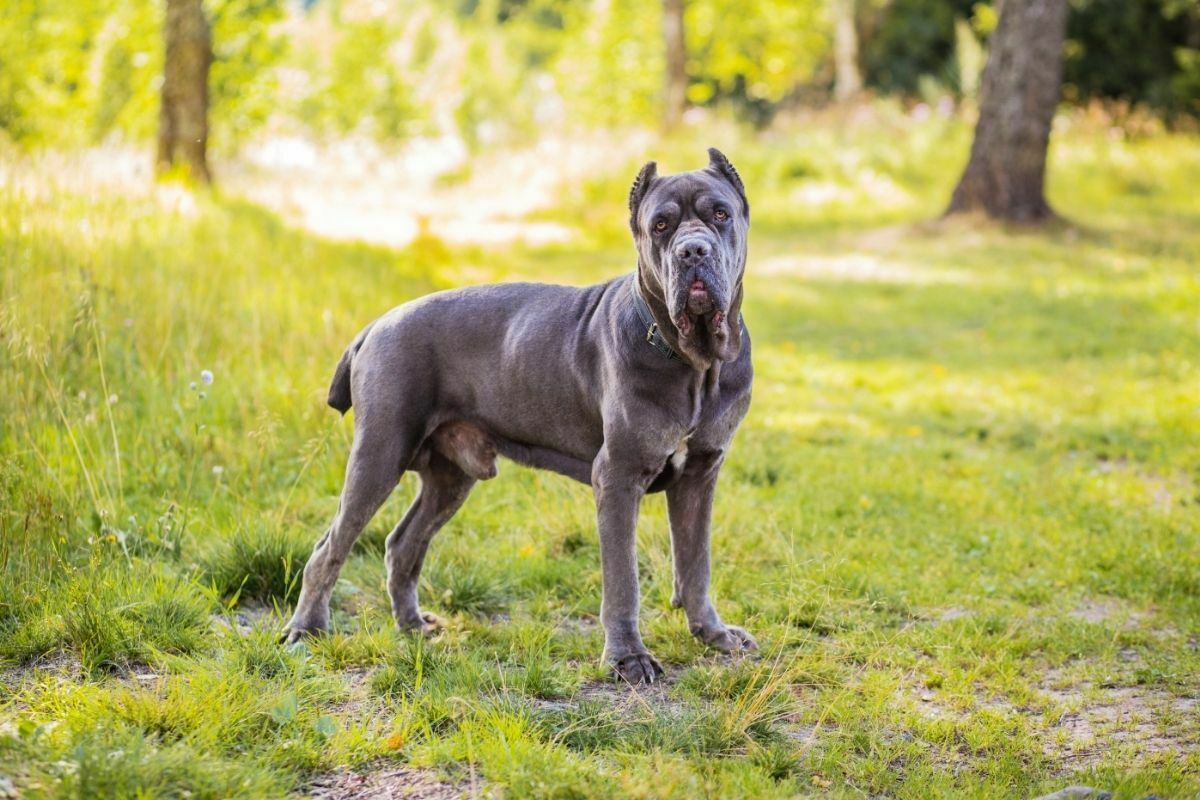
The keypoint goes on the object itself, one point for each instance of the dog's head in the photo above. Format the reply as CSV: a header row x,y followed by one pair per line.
x,y
690,232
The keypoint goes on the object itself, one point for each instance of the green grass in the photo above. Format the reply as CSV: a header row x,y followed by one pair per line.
x,y
962,517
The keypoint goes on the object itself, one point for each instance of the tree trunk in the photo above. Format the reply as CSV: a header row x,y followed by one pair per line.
x,y
183,116
847,77
1005,176
675,94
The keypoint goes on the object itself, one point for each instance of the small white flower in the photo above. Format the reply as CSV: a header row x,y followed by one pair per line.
x,y
112,399
206,376
82,394
218,470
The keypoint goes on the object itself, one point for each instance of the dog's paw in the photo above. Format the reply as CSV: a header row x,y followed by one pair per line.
x,y
636,668
726,638
294,633
425,623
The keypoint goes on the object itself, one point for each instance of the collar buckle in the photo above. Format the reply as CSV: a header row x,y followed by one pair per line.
x,y
653,336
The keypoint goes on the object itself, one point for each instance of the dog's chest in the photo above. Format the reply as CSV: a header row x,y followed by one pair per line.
x,y
708,422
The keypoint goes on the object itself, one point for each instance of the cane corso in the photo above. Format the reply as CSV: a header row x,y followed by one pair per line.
x,y
632,386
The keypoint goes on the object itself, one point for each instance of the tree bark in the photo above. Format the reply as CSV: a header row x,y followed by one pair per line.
x,y
675,89
1022,80
183,115
847,77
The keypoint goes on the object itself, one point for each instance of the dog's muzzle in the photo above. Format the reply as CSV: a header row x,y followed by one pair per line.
x,y
701,290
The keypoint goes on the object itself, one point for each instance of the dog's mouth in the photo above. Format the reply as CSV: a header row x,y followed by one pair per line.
x,y
699,301
700,313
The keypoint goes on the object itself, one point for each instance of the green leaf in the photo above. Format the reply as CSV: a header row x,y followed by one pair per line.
x,y
325,726
286,709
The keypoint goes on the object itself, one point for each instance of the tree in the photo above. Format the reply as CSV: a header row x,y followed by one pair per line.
x,y
1022,81
675,94
183,115
847,80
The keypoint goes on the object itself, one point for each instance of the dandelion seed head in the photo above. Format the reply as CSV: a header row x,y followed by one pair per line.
x,y
206,376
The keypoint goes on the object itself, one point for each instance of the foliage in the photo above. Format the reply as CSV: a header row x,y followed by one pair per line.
x,y
74,73
1138,52
243,83
611,68
754,54
68,68
908,40
494,72
360,89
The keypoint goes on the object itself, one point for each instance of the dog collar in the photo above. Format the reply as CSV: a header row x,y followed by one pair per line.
x,y
653,335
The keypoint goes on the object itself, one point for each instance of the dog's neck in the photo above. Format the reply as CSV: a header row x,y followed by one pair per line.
x,y
651,294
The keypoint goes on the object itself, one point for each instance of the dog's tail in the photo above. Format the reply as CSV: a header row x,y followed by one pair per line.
x,y
339,390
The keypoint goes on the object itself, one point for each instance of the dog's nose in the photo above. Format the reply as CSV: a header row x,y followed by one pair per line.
x,y
691,252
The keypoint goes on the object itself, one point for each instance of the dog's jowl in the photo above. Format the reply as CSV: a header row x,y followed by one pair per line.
x,y
632,386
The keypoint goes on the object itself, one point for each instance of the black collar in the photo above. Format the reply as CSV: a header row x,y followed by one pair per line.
x,y
653,335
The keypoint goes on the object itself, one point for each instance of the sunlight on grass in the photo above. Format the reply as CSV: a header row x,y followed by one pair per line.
x,y
961,436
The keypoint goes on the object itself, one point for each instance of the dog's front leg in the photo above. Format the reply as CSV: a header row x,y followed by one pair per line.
x,y
618,499
689,506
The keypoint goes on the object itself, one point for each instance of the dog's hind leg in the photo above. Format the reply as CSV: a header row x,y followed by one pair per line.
x,y
444,488
372,472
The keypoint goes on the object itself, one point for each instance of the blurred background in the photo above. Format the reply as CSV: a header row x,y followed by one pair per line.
x,y
466,115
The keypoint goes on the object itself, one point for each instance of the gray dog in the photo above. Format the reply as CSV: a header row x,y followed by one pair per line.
x,y
632,386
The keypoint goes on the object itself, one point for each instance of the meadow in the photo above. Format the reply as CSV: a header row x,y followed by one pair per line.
x,y
962,517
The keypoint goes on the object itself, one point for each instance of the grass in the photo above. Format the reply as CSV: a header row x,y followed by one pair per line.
x,y
962,518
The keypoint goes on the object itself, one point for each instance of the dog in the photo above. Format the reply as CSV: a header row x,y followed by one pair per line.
x,y
632,386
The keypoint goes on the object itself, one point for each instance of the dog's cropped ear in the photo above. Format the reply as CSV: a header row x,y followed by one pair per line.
x,y
641,185
720,164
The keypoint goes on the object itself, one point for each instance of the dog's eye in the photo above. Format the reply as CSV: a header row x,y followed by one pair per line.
x,y
660,226
719,215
